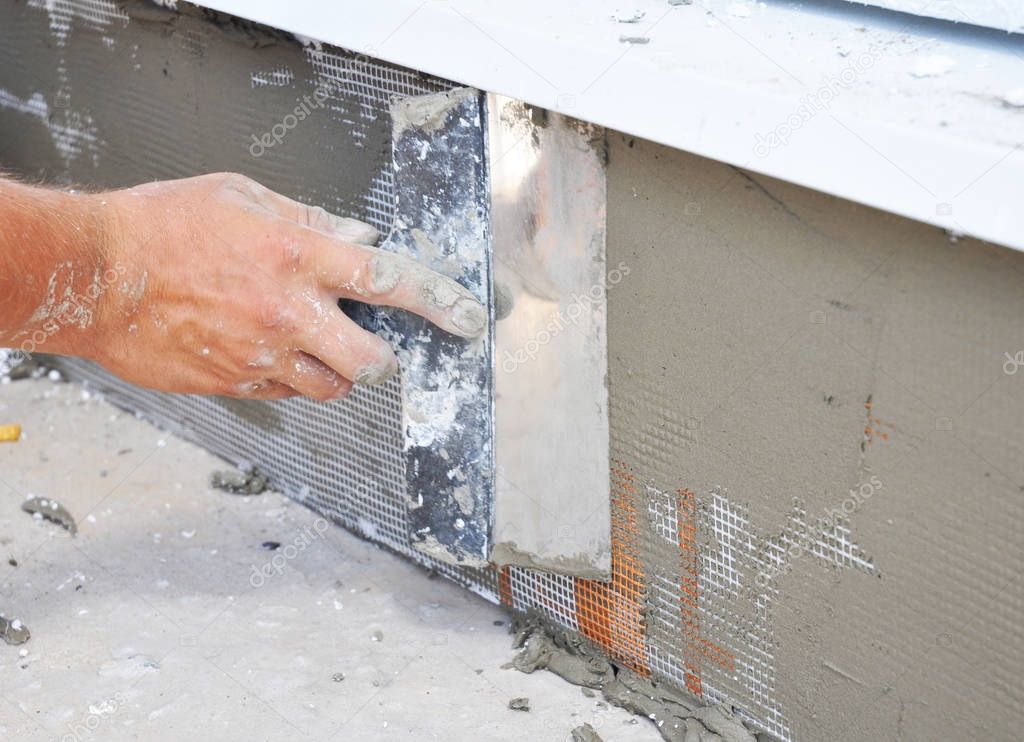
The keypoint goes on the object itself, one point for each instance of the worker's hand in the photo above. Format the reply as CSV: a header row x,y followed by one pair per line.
x,y
228,288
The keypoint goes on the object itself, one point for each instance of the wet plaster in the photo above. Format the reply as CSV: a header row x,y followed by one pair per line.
x,y
773,343
585,733
46,508
237,482
164,78
677,718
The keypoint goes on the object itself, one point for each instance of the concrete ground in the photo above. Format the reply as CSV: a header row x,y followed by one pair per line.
x,y
167,617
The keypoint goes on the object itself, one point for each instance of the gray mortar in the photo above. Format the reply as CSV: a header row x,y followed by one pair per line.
x,y
170,52
13,631
236,482
585,733
544,646
49,509
757,319
427,112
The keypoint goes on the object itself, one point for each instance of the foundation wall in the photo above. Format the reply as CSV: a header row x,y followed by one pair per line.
x,y
818,472
836,390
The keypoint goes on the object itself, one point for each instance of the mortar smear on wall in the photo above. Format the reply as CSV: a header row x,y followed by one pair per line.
x,y
97,13
73,133
344,78
279,77
703,613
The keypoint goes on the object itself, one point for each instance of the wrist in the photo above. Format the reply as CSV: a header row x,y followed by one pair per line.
x,y
93,305
53,247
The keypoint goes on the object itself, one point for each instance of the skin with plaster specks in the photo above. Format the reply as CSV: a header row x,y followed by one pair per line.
x,y
209,285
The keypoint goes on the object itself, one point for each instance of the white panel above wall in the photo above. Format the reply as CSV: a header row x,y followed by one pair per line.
x,y
1005,15
916,118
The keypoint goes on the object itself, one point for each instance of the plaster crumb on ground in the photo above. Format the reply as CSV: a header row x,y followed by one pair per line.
x,y
585,733
13,631
44,508
251,482
634,39
634,16
931,65
519,704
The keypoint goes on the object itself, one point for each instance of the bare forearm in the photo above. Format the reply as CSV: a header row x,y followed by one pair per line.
x,y
53,268
209,285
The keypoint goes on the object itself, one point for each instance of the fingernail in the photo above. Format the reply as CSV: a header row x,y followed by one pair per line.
x,y
469,317
373,375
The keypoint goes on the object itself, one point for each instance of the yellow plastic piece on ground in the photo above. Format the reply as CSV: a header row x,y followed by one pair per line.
x,y
9,433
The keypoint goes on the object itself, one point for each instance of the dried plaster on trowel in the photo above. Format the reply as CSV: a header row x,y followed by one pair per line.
x,y
431,408
427,112
546,647
431,414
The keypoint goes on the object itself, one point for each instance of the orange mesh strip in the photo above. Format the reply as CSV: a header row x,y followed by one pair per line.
x,y
697,649
505,586
612,614
686,518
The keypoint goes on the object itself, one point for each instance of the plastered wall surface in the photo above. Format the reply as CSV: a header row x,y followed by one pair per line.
x,y
815,407
69,66
775,346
